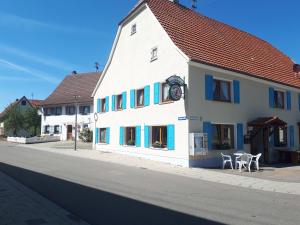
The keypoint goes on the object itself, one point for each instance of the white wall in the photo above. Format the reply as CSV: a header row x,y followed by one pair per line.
x,y
254,96
65,120
131,69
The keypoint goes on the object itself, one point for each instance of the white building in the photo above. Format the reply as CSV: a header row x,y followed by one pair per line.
x,y
59,109
22,105
241,92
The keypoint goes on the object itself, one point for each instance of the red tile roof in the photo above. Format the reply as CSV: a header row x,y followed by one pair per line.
x,y
208,41
77,84
35,103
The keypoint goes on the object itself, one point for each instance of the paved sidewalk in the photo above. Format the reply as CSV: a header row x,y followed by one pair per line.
x,y
196,173
21,206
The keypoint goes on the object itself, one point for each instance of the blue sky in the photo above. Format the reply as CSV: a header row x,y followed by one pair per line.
x,y
43,41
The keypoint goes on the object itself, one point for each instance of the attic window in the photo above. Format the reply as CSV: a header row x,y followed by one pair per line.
x,y
23,102
154,54
133,29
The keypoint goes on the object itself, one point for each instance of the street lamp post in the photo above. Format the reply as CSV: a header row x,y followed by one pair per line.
x,y
76,97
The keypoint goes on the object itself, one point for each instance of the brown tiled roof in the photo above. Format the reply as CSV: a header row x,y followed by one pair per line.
x,y
214,43
35,103
77,84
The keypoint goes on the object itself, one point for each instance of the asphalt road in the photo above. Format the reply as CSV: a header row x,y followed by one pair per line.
x,y
106,193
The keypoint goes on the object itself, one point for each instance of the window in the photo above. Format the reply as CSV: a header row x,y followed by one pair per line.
x,y
24,102
159,137
58,111
133,29
280,136
130,136
223,137
47,129
165,97
49,111
154,52
140,98
84,110
222,90
103,105
279,99
56,129
102,135
70,110
119,102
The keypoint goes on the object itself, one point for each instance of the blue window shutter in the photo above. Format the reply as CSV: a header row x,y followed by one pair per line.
x,y
146,136
240,136
107,135
98,105
207,128
121,135
138,136
147,95
156,93
271,97
288,100
132,99
113,102
171,137
292,136
107,104
97,136
209,82
236,90
124,100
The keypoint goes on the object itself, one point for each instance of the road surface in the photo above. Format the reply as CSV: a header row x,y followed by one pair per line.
x,y
107,193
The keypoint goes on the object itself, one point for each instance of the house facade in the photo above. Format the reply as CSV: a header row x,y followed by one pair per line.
x,y
59,109
22,104
240,93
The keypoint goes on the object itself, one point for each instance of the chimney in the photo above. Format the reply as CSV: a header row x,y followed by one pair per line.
x,y
296,68
74,72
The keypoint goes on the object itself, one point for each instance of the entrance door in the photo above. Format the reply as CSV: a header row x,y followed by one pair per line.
x,y
69,132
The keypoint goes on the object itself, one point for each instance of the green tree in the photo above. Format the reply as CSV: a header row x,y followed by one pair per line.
x,y
14,121
32,121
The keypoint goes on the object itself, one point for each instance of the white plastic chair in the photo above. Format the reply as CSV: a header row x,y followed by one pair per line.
x,y
244,161
255,160
226,159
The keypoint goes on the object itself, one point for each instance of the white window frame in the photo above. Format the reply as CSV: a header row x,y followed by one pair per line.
x,y
133,29
154,57
136,97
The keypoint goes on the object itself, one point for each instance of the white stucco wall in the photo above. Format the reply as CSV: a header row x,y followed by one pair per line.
x,y
131,68
64,120
254,103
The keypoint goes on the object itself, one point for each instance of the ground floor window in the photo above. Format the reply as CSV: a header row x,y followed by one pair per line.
x,y
159,136
223,137
57,129
47,129
280,136
102,135
130,136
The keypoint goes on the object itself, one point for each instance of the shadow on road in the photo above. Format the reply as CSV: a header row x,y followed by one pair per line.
x,y
97,206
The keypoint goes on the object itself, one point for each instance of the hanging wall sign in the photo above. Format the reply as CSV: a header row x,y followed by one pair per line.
x,y
177,87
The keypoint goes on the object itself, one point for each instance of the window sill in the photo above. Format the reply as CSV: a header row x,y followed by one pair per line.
x,y
102,143
159,149
224,101
166,102
154,59
139,107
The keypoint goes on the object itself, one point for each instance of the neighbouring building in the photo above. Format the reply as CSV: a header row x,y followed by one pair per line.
x,y
22,104
241,93
59,109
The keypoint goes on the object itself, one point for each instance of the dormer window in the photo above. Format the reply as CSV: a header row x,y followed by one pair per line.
x,y
133,29
154,52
